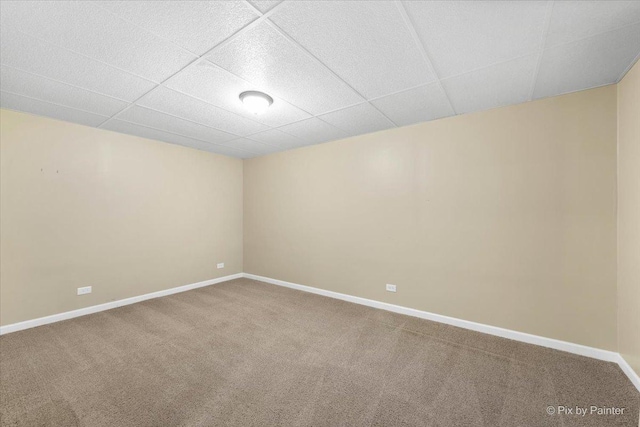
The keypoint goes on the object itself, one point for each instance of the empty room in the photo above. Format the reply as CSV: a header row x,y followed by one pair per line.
x,y
320,213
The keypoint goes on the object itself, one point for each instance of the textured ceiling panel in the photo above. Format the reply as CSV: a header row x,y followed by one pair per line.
x,y
575,20
379,58
464,36
218,87
277,138
173,71
12,101
495,86
264,5
590,62
267,59
233,152
194,25
186,107
85,28
150,133
36,56
359,119
415,105
252,146
313,131
172,124
34,86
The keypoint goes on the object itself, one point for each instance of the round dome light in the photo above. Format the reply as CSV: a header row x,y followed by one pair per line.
x,y
256,102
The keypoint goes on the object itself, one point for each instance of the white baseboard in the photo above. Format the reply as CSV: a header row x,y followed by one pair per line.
x,y
582,350
628,370
14,327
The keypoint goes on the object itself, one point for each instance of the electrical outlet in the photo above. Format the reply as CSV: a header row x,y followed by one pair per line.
x,y
391,288
221,265
84,291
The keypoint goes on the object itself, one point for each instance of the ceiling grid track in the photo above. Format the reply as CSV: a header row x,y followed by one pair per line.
x,y
626,70
243,79
249,26
317,60
302,48
66,84
193,138
543,42
130,22
423,49
53,103
115,67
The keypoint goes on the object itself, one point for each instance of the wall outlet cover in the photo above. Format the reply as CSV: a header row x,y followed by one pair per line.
x,y
391,288
221,265
84,291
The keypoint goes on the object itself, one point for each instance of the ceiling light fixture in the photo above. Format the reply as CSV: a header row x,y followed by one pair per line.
x,y
256,102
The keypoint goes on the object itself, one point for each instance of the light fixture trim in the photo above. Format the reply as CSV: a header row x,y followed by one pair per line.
x,y
255,101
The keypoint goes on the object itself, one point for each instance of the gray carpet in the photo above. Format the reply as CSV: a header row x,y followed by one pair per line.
x,y
246,353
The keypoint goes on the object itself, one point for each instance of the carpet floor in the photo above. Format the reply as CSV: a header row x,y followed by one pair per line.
x,y
246,353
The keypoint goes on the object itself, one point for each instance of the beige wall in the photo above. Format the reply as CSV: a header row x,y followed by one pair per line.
x,y
629,217
83,206
505,217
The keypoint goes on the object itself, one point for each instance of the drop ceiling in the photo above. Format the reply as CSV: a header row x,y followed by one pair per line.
x,y
172,71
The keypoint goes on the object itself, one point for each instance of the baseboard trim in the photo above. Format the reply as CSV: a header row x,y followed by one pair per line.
x,y
628,370
27,324
582,350
595,353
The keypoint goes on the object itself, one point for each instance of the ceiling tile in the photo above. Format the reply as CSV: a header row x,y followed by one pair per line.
x,y
195,25
276,66
233,152
186,107
216,86
587,63
150,133
381,55
494,86
357,120
462,36
33,86
575,20
84,61
168,123
34,106
415,105
313,131
265,5
36,56
158,135
250,145
277,138
89,30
